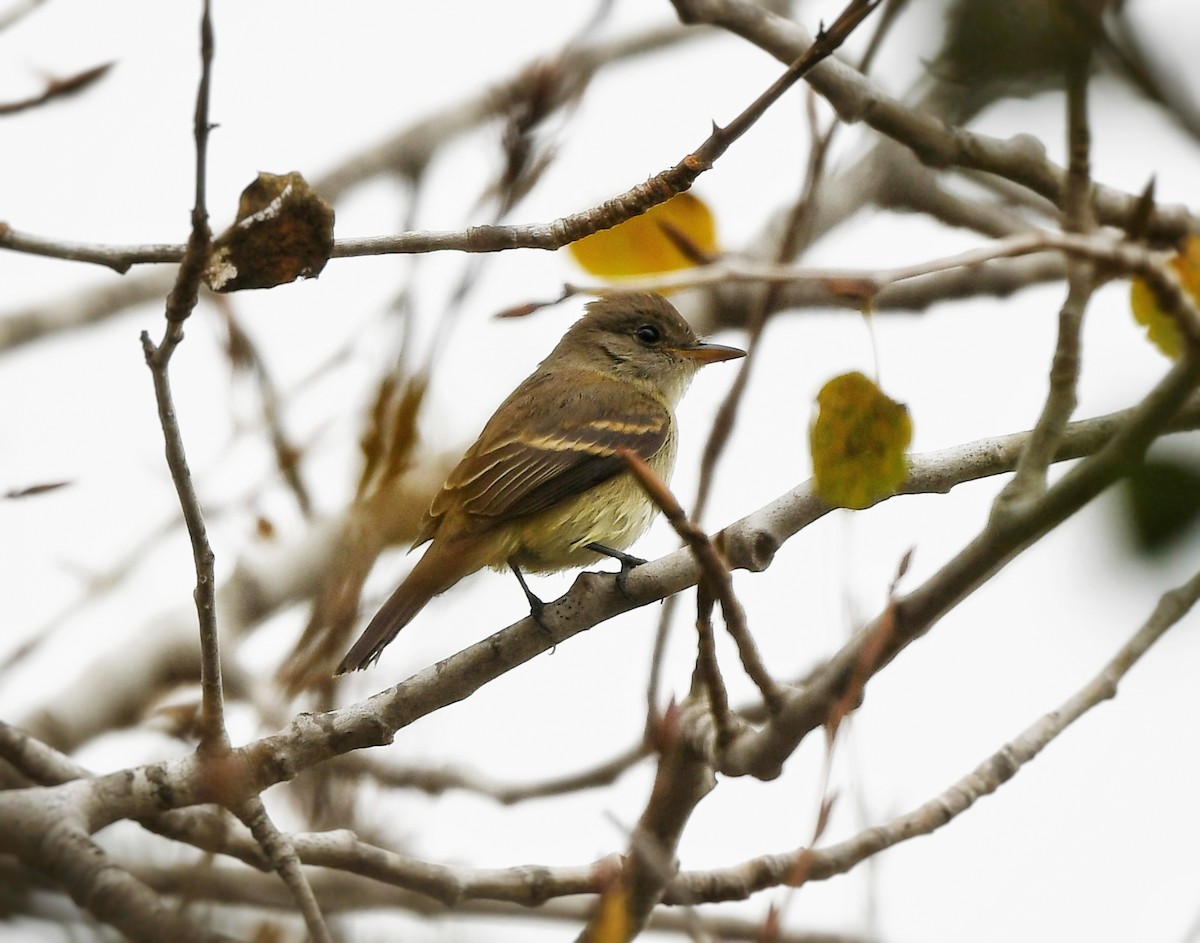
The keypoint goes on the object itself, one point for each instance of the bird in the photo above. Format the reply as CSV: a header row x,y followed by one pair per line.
x,y
545,487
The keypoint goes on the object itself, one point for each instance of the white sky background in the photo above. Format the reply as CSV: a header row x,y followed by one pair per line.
x,y
1091,841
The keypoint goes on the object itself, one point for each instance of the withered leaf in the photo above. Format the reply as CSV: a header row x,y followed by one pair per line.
x,y
283,231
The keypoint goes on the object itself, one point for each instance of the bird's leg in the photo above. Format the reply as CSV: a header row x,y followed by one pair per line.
x,y
536,606
627,560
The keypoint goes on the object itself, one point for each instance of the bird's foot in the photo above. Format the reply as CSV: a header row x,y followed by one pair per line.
x,y
627,560
537,608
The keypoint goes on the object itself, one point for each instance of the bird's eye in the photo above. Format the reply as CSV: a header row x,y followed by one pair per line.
x,y
648,334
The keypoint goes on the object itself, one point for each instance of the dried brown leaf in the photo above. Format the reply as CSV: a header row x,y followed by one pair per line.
x,y
283,231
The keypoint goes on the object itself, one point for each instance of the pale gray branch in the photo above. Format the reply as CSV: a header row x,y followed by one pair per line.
x,y
856,97
805,864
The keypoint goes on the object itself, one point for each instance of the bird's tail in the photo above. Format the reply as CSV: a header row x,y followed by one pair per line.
x,y
439,569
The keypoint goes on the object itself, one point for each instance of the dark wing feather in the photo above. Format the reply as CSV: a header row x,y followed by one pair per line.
x,y
571,428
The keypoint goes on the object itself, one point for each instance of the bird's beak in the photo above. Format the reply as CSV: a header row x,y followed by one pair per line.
x,y
702,353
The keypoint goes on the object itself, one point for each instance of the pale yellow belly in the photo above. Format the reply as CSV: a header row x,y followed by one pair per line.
x,y
614,513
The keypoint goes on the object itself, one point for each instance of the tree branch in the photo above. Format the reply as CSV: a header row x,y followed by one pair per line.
x,y
1029,482
180,304
561,232
762,752
740,881
342,851
854,97
282,855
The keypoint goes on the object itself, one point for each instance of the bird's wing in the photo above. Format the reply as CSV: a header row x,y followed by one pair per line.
x,y
565,440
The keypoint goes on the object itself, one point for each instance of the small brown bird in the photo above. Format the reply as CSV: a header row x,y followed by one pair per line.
x,y
544,488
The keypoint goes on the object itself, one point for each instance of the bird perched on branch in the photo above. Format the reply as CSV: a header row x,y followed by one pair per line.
x,y
545,487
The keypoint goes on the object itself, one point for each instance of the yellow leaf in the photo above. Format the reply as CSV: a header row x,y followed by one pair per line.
x,y
1160,328
611,923
673,235
858,442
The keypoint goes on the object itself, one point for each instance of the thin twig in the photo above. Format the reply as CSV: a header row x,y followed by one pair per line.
x,y
859,286
180,304
283,858
436,780
716,575
706,676
1030,480
57,88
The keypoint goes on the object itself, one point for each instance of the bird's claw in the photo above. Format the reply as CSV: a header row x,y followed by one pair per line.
x,y
627,560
